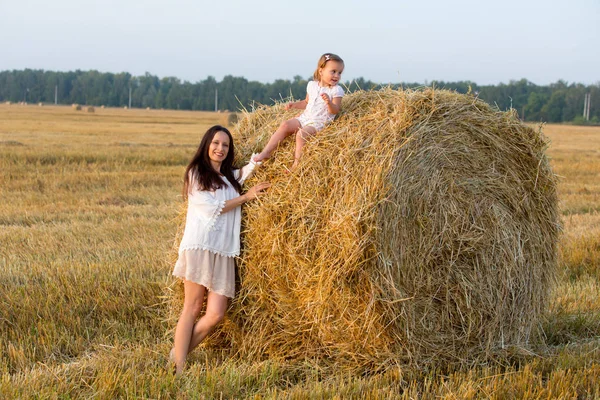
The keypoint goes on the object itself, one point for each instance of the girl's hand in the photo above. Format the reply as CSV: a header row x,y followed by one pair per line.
x,y
325,98
257,190
288,106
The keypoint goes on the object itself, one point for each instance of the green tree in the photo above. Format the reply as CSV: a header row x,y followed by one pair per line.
x,y
553,109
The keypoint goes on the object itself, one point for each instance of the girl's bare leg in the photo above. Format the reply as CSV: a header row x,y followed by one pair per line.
x,y
302,137
216,305
192,306
285,129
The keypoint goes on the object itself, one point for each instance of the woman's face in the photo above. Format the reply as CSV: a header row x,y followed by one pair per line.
x,y
219,147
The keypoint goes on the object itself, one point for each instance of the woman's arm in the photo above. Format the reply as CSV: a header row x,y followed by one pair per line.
x,y
251,194
247,170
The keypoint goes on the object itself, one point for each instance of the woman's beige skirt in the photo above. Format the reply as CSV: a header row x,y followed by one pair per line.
x,y
211,270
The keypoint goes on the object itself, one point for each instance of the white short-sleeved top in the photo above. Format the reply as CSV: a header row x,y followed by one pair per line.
x,y
206,228
316,109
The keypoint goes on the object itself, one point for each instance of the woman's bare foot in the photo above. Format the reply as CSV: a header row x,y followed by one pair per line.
x,y
171,366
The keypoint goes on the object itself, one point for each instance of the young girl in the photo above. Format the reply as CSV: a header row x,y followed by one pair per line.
x,y
211,238
322,103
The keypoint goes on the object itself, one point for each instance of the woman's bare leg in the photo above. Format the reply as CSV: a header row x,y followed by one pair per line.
x,y
216,305
192,306
285,129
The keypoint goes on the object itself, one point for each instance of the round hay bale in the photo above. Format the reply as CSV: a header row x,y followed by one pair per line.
x,y
91,109
232,119
8,103
41,104
420,227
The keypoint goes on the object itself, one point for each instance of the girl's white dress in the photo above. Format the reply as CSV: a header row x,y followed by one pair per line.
x,y
316,113
211,239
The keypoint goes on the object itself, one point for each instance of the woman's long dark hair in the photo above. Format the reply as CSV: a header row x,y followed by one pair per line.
x,y
201,170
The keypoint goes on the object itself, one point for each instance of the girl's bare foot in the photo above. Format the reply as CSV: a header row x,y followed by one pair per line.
x,y
295,164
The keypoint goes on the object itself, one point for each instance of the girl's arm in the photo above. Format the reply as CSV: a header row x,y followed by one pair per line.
x,y
334,105
251,194
301,105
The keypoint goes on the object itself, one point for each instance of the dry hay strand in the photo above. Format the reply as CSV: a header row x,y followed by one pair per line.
x,y
420,227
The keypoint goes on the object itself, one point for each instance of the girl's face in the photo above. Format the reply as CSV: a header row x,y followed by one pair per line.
x,y
331,73
218,148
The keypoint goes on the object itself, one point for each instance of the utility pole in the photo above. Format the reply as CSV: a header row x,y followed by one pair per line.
x,y
129,96
589,103
586,106
216,99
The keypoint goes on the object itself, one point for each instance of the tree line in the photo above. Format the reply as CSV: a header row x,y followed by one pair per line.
x,y
557,102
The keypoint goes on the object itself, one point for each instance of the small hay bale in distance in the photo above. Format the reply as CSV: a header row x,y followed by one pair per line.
x,y
420,227
232,119
91,109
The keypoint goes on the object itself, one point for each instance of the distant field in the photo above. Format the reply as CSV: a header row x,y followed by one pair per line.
x,y
88,210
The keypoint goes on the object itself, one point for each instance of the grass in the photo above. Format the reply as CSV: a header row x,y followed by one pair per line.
x,y
88,215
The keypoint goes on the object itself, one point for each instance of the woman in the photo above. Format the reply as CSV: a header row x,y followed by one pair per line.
x,y
211,238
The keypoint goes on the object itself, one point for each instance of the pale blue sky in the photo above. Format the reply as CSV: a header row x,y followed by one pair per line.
x,y
381,40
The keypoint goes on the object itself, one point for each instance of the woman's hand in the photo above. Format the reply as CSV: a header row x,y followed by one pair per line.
x,y
251,194
257,190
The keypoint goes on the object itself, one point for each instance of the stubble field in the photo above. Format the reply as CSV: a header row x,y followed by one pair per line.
x,y
89,206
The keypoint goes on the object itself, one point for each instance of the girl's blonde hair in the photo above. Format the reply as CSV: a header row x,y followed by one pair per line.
x,y
322,61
